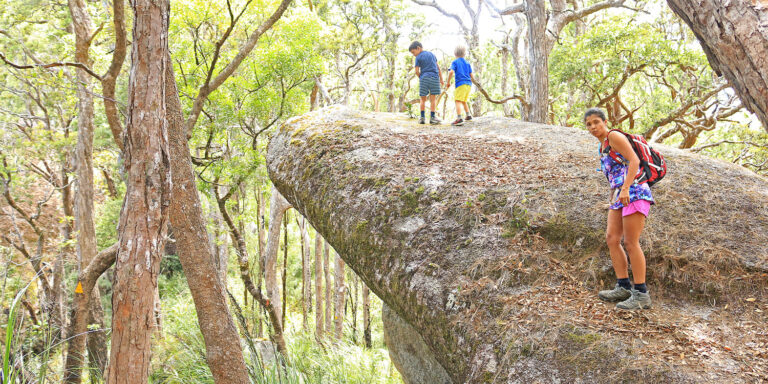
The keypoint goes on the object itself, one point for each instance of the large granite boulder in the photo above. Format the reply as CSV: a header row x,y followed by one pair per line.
x,y
488,240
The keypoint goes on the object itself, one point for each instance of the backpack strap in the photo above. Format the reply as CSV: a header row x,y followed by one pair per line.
x,y
606,147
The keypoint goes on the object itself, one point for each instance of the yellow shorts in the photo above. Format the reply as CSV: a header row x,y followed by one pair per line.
x,y
462,92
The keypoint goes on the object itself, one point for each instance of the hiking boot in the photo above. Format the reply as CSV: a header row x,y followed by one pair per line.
x,y
458,121
434,120
421,120
638,300
616,294
468,118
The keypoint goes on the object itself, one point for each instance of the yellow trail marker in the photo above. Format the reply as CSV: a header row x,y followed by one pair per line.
x,y
79,288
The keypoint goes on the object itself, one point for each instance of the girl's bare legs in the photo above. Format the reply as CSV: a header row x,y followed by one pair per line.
x,y
466,109
458,108
613,234
633,227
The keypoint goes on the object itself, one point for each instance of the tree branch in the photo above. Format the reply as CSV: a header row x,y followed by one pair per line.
x,y
52,65
748,143
225,73
110,78
502,101
442,10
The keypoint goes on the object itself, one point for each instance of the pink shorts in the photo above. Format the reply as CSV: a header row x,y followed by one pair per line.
x,y
642,206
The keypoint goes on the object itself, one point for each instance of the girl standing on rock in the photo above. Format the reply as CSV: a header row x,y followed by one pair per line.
x,y
630,204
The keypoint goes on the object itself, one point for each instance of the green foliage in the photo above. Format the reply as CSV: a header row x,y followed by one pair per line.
x,y
635,62
179,357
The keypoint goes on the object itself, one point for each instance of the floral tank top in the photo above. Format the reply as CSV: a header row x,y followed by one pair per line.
x,y
616,172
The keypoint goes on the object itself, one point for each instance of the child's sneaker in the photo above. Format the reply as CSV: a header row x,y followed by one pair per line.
x,y
638,300
421,120
458,121
618,293
434,120
468,118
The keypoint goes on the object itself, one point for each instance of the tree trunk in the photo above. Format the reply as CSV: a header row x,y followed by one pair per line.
x,y
328,289
306,275
338,270
144,217
367,316
285,265
539,59
277,207
505,72
313,99
319,287
734,35
85,232
353,304
222,342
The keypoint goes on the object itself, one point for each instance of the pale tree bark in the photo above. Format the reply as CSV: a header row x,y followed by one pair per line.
x,y
340,289
306,275
144,217
543,32
353,303
328,289
734,35
83,198
284,273
319,325
538,87
367,316
277,207
389,51
222,343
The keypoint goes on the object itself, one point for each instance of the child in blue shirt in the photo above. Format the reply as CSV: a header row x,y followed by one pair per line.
x,y
464,79
430,80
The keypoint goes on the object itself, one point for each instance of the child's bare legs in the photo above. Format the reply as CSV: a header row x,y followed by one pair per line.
x,y
432,105
466,108
459,111
422,103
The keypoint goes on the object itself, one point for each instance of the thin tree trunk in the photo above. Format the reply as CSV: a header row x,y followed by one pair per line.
x,y
367,316
319,287
277,207
285,264
222,342
328,289
353,304
144,217
85,232
734,35
539,59
338,270
87,279
306,275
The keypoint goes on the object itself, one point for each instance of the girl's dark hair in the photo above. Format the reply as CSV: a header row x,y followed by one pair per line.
x,y
594,111
414,45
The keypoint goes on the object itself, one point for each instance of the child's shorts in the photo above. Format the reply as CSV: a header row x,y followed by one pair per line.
x,y
642,206
429,85
462,92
